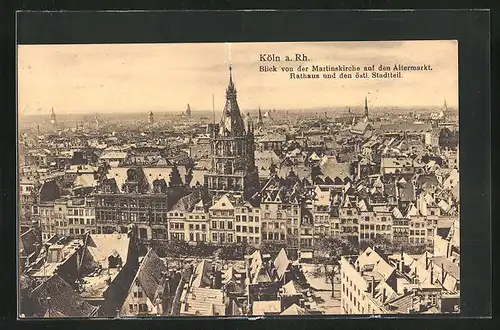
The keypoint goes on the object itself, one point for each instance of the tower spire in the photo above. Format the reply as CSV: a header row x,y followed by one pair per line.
x,y
230,88
260,117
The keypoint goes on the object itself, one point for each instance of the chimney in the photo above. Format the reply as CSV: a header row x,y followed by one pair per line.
x,y
373,286
383,295
401,261
357,266
442,273
432,274
426,261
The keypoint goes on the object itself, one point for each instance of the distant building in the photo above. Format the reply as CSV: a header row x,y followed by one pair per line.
x,y
151,119
187,113
53,119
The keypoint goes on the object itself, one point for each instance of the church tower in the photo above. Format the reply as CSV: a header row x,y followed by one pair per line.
x,y
233,168
151,118
260,122
53,117
188,111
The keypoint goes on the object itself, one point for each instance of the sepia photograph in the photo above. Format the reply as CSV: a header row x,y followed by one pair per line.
x,y
238,179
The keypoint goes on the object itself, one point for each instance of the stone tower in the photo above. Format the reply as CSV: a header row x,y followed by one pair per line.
x,y
233,168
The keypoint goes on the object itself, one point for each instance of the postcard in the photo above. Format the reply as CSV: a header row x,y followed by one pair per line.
x,y
238,179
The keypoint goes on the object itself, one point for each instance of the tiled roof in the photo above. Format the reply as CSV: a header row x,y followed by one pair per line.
x,y
406,127
187,203
101,246
223,204
281,263
295,310
150,274
201,277
64,301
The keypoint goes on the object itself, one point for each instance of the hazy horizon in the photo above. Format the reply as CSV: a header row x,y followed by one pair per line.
x,y
356,109
134,78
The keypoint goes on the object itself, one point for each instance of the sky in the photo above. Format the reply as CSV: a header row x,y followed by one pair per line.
x,y
107,78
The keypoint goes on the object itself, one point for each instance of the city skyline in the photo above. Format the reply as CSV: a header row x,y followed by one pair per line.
x,y
82,79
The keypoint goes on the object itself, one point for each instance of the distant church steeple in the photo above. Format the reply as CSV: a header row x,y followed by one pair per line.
x,y
260,122
151,117
366,108
53,117
188,111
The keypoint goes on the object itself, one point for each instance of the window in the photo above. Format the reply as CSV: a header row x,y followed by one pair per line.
x,y
229,225
256,231
238,228
131,307
244,218
214,237
244,229
191,226
238,218
221,224
214,224
139,294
